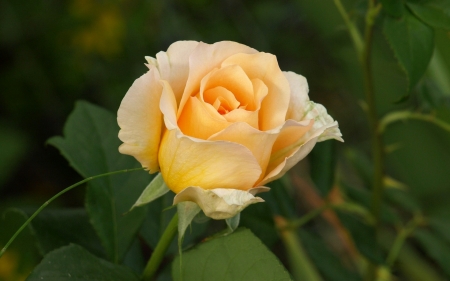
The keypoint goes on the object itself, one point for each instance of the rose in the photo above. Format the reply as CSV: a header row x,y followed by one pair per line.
x,y
219,122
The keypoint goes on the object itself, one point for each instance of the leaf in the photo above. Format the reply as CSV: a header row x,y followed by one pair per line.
x,y
56,228
155,189
90,144
435,247
412,42
434,12
322,165
331,266
75,263
363,236
235,257
259,219
394,8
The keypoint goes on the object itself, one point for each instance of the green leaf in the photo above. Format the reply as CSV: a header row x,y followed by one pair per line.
x,y
75,263
90,144
434,12
322,165
331,266
412,42
435,247
364,237
239,256
155,189
394,8
56,228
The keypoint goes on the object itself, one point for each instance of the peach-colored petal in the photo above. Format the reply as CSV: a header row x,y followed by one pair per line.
x,y
220,203
173,65
299,96
258,142
140,120
288,142
168,106
186,161
201,120
205,58
222,97
234,79
242,115
265,67
288,150
260,92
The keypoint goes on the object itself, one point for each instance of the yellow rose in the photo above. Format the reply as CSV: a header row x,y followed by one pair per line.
x,y
219,122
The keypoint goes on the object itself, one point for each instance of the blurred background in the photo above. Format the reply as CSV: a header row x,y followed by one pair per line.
x,y
53,53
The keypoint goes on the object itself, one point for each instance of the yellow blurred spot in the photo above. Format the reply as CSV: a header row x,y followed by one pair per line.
x,y
104,29
9,266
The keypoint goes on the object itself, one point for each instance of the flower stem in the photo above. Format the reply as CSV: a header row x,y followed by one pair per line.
x,y
352,29
301,265
401,238
28,221
377,142
161,248
306,218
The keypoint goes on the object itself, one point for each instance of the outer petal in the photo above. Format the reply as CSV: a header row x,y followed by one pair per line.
x,y
140,120
220,203
258,142
205,58
173,65
265,67
299,96
321,118
323,128
188,162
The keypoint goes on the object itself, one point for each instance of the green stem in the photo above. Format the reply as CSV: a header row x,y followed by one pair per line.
x,y
301,266
306,218
163,244
401,238
56,196
406,114
354,33
377,142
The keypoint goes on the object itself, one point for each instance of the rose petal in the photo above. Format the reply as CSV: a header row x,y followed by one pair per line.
x,y
321,118
205,58
293,149
234,79
168,106
224,96
257,141
265,67
220,203
186,161
299,96
201,120
140,120
173,65
242,115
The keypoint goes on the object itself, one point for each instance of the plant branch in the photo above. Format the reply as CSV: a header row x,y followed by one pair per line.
x,y
352,29
161,248
401,238
406,114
